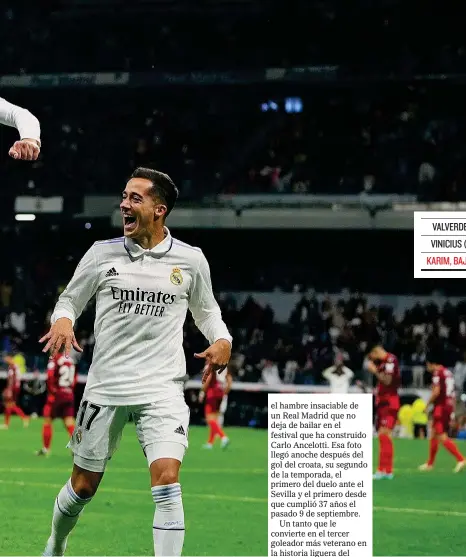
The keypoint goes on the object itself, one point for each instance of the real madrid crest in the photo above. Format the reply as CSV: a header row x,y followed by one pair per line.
x,y
176,277
79,435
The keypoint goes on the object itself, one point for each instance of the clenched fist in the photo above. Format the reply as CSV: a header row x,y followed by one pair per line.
x,y
25,150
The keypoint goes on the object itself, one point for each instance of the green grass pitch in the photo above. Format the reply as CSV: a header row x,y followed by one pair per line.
x,y
225,499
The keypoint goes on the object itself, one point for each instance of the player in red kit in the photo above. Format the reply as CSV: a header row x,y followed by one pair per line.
x,y
11,394
61,380
213,392
443,401
384,366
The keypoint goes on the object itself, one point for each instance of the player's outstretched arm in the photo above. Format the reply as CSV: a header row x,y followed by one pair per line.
x,y
28,126
71,304
208,319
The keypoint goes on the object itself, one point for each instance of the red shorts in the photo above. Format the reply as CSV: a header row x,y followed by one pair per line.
x,y
386,416
212,405
441,418
61,407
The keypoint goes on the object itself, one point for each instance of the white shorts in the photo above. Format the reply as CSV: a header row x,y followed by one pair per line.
x,y
161,427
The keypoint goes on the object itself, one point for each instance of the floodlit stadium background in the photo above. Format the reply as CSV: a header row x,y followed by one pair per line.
x,y
302,140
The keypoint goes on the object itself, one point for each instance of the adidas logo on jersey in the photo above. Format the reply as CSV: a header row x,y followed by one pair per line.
x,y
111,273
180,430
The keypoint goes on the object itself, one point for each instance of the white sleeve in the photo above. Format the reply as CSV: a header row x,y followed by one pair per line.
x,y
79,291
204,307
349,373
21,119
327,373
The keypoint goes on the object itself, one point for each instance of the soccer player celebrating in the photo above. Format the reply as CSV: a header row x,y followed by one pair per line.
x,y
214,391
443,401
144,283
28,148
11,394
61,380
384,366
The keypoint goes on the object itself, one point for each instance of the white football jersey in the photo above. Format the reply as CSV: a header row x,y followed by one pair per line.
x,y
339,384
20,118
142,297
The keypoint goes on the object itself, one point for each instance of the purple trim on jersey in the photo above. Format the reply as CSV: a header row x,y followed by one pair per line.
x,y
112,241
132,256
183,245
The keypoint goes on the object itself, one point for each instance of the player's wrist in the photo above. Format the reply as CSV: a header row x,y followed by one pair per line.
x,y
32,141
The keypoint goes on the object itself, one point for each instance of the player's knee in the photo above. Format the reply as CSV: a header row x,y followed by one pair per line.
x,y
167,477
164,472
85,482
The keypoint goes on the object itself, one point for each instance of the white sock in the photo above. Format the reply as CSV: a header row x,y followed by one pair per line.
x,y
68,506
168,527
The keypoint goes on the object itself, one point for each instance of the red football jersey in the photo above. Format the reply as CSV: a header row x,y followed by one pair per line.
x,y
444,379
390,367
61,376
14,378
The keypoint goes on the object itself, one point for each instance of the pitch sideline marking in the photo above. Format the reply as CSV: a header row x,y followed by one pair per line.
x,y
418,511
144,491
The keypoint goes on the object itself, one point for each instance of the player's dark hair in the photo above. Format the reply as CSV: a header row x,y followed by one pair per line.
x,y
373,345
163,187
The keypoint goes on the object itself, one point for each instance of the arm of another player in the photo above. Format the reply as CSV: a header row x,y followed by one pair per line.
x,y
70,305
208,319
384,378
435,392
28,126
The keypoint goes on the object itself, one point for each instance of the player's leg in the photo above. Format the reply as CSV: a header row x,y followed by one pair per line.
x,y
162,430
214,424
212,409
47,434
208,412
433,449
449,444
94,441
222,410
69,504
67,414
7,413
386,420
47,429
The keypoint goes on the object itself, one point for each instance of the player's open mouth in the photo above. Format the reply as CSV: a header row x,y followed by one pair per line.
x,y
129,222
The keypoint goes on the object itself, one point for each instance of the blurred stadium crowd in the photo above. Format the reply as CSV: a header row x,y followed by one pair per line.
x,y
381,140
318,330
379,37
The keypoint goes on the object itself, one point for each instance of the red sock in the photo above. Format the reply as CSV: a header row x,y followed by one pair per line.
x,y
17,410
218,430
385,454
7,415
433,448
212,433
70,429
453,449
47,433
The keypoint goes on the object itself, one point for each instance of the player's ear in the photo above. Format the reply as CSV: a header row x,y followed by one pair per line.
x,y
160,211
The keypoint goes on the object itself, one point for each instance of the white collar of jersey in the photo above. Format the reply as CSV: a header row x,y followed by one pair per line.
x,y
135,250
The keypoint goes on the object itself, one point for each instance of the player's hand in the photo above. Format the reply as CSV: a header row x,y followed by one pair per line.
x,y
216,356
61,334
25,150
371,367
